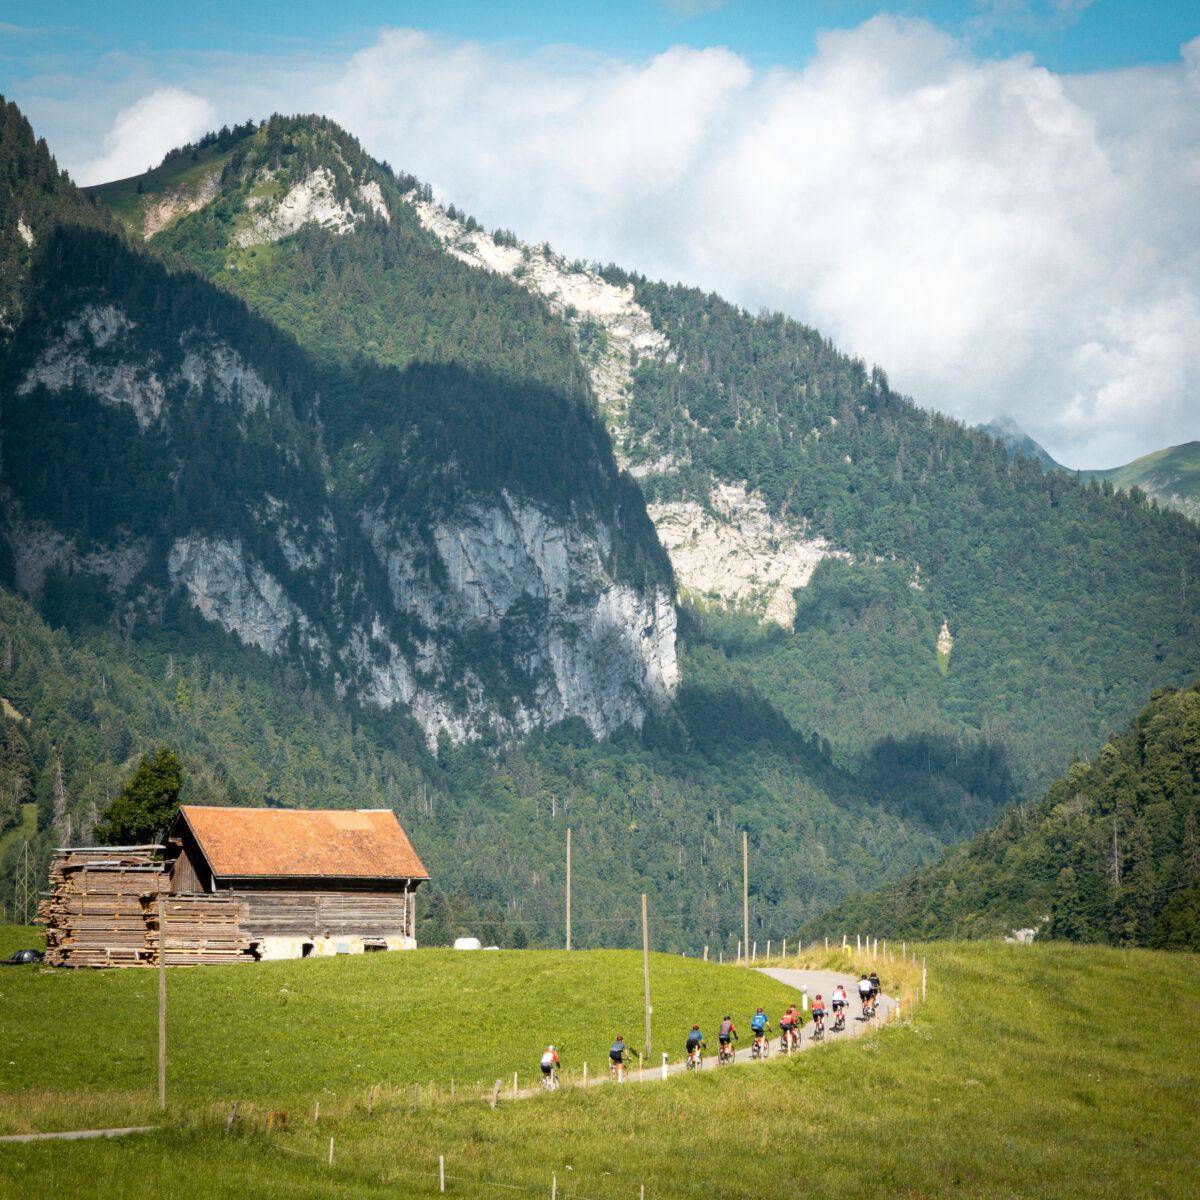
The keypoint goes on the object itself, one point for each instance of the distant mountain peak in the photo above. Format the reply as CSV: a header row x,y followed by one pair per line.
x,y
1016,440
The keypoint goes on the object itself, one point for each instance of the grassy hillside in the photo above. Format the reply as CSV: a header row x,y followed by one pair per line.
x,y
1110,848
1024,1075
291,1032
1171,476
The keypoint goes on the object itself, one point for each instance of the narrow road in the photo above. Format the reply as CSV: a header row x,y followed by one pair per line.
x,y
822,982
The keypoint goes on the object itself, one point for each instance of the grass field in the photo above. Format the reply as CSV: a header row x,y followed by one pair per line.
x,y
290,1032
1030,1071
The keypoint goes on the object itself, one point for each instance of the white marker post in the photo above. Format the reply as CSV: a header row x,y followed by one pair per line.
x,y
664,1066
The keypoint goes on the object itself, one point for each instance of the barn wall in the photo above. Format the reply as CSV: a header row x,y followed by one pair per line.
x,y
289,924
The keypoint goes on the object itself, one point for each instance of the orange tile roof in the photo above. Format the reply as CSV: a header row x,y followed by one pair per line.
x,y
298,843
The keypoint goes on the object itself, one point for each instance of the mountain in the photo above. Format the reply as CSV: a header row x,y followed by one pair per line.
x,y
885,575
361,463
454,539
1111,853
1017,441
1171,476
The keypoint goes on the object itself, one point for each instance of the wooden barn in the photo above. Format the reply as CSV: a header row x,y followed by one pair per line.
x,y
238,885
313,882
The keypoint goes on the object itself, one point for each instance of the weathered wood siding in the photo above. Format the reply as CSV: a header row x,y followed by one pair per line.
x,y
326,914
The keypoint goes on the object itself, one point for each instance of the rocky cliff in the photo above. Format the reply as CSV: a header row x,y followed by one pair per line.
x,y
197,465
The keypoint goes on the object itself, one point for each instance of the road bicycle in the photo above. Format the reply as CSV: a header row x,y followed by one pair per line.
x,y
818,1033
789,1040
761,1047
839,1022
695,1059
725,1053
550,1080
618,1070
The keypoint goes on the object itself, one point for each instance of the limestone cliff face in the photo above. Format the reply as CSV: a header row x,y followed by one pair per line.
x,y
489,616
730,551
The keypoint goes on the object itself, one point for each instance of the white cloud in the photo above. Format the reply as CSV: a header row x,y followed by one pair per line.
x,y
1000,238
142,133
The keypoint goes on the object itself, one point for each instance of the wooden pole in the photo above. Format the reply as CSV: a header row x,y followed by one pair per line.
x,y
585,1072
784,952
922,981
745,889
514,1085
646,969
768,949
553,1187
706,954
441,1172
568,887
162,1002
331,1150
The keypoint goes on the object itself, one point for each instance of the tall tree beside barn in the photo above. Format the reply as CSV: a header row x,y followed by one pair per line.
x,y
147,803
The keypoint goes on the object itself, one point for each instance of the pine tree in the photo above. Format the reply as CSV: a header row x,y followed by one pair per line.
x,y
147,803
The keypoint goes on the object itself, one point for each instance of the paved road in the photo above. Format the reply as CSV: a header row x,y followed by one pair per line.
x,y
816,981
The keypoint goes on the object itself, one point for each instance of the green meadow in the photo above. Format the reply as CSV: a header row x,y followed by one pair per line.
x,y
1029,1071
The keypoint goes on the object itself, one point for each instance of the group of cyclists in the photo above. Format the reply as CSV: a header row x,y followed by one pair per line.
x,y
760,1026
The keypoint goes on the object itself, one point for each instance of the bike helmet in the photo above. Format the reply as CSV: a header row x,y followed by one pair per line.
x,y
818,997
760,1009
551,1047
727,1017
695,1026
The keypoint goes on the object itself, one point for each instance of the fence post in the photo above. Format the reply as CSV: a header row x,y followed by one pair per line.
x,y
858,942
441,1172
553,1187
739,951
922,981
768,949
843,943
317,1113
331,1150
706,954
514,1085
783,952
754,953
664,1067
585,1072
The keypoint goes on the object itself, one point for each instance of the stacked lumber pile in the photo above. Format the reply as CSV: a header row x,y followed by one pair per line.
x,y
201,929
103,912
95,917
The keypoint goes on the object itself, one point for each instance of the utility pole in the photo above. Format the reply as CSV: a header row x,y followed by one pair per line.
x,y
746,891
568,887
646,969
162,1002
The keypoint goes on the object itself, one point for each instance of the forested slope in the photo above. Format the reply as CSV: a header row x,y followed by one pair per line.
x,y
657,812
1110,854
1038,576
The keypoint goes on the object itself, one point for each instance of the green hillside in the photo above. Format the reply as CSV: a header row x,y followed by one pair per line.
x,y
1035,574
1171,476
1038,576
489,823
1110,854
393,1019
997,1088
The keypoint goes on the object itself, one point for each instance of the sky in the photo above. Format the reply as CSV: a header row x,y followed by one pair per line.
x,y
998,201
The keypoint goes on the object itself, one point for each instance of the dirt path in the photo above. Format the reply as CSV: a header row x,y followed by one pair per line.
x,y
72,1135
822,982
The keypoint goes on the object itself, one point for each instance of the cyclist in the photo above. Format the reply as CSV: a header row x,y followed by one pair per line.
x,y
818,1013
874,991
726,1035
760,1025
864,995
616,1053
695,1043
550,1063
839,1006
789,1027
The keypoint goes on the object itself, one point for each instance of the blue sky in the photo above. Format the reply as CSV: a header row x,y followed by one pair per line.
x,y
993,199
1064,35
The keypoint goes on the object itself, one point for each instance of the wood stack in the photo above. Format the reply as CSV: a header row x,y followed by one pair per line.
x,y
103,912
201,929
95,916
